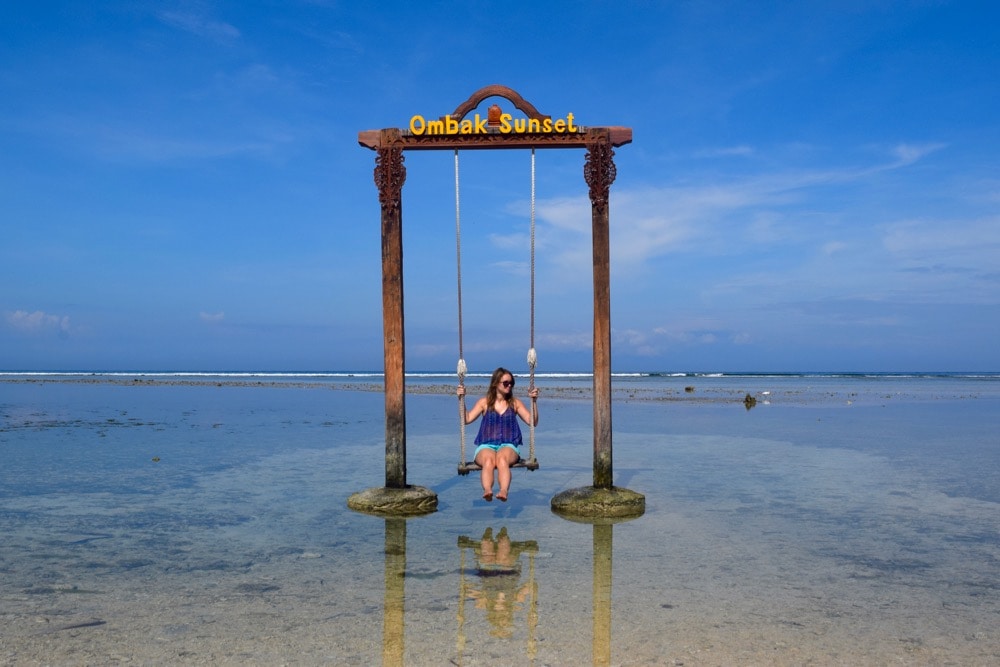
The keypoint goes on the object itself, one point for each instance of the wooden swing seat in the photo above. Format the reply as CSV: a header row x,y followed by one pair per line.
x,y
472,466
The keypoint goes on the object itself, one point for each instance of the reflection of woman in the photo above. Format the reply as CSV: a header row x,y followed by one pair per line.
x,y
499,434
499,569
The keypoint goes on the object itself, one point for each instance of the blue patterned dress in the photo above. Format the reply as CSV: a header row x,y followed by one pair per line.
x,y
499,428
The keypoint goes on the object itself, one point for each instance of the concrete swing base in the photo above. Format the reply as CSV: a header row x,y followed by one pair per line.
x,y
387,502
591,502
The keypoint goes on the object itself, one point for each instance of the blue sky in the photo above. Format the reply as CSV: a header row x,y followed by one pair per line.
x,y
811,186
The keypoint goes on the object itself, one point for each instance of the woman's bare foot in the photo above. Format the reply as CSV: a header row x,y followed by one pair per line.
x,y
488,496
502,495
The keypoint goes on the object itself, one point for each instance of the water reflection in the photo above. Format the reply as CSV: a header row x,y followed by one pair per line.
x,y
603,547
498,576
497,585
395,592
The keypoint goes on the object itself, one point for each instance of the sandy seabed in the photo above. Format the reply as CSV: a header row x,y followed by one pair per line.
x,y
771,537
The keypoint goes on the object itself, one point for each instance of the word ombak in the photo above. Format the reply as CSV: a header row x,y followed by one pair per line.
x,y
504,123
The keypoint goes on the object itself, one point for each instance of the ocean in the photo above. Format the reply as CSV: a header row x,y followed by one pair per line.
x,y
201,518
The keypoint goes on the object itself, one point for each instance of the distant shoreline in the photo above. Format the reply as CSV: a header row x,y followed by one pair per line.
x,y
745,391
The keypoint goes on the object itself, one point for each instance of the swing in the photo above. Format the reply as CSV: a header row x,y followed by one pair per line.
x,y
531,463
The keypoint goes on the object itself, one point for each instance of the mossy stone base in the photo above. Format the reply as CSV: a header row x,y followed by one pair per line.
x,y
588,502
383,501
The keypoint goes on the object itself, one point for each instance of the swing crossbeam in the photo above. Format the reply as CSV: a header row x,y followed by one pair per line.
x,y
584,138
472,466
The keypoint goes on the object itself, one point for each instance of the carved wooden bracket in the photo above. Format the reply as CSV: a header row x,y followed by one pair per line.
x,y
390,174
496,90
599,168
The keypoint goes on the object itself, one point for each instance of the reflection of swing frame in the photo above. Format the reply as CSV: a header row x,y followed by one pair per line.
x,y
499,576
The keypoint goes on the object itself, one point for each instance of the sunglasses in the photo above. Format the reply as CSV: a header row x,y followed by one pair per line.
x,y
507,383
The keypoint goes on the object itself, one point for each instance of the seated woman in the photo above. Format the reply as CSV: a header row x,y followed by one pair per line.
x,y
499,438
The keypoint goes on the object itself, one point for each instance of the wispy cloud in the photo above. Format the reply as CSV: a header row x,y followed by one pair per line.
x,y
907,154
725,151
975,240
38,322
199,25
951,260
654,221
212,318
833,247
126,141
756,247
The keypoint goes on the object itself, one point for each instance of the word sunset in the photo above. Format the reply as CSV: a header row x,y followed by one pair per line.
x,y
505,124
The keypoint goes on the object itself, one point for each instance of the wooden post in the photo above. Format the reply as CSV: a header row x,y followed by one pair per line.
x,y
599,172
389,177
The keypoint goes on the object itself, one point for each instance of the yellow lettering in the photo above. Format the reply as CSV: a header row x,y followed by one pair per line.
x,y
508,124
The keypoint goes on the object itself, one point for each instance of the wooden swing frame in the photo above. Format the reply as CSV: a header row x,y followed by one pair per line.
x,y
599,173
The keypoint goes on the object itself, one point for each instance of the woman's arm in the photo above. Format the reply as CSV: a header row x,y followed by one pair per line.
x,y
524,412
477,409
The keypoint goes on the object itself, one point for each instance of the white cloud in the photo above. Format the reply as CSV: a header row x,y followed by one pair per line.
x,y
199,25
833,247
516,242
119,143
38,322
719,217
727,151
907,154
645,223
212,317
123,140
565,340
977,240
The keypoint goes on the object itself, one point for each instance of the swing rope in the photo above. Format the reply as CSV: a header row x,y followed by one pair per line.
x,y
531,463
532,355
462,369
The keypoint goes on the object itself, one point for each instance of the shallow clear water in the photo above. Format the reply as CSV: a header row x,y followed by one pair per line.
x,y
840,521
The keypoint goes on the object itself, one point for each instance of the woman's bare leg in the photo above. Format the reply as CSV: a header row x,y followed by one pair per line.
x,y
487,459
506,457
